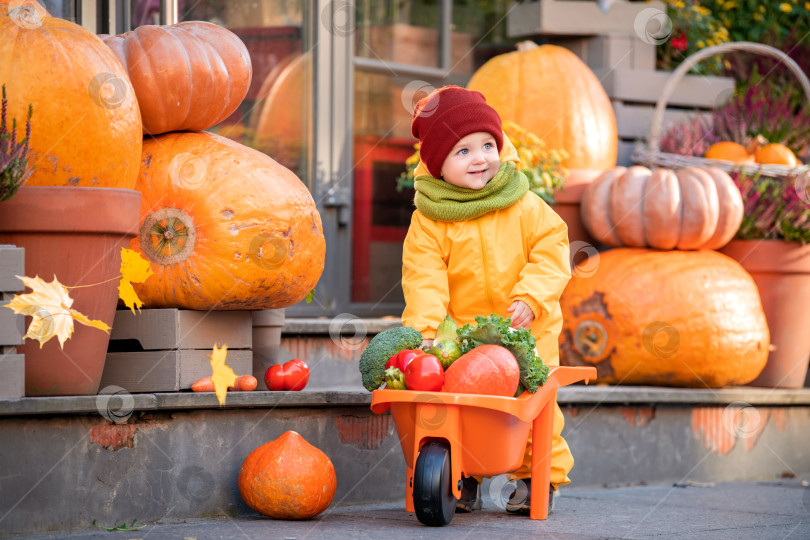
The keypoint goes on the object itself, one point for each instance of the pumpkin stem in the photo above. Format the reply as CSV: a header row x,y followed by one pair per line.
x,y
527,45
168,236
756,143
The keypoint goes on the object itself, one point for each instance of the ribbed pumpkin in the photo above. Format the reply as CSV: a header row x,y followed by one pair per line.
x,y
549,91
691,208
225,226
187,76
672,318
287,478
86,129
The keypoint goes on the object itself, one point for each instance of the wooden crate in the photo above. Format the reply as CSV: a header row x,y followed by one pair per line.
x,y
575,17
12,327
166,350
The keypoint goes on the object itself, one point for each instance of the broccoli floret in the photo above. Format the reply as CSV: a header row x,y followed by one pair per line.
x,y
494,330
382,347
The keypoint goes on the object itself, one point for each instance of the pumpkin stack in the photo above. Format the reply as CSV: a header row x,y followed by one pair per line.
x,y
225,226
664,308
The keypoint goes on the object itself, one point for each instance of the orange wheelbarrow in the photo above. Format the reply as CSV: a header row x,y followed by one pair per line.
x,y
446,435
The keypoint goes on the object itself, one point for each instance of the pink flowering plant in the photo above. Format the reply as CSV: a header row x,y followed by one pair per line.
x,y
14,169
774,208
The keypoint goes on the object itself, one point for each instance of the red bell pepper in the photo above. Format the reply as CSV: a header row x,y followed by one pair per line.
x,y
403,358
424,373
292,375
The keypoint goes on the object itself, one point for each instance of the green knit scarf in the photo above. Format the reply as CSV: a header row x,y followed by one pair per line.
x,y
443,201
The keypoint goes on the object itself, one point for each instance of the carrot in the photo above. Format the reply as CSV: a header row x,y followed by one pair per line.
x,y
244,383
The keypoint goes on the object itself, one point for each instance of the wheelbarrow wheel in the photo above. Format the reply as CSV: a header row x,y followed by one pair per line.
x,y
433,498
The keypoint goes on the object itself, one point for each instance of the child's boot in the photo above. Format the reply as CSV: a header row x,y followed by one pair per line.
x,y
520,501
470,495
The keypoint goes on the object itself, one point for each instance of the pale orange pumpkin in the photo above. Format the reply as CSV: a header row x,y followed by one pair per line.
x,y
187,76
729,151
672,318
225,226
549,91
280,116
776,154
287,478
86,128
691,208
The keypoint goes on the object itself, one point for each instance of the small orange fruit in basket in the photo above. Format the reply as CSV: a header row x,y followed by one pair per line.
x,y
729,151
776,154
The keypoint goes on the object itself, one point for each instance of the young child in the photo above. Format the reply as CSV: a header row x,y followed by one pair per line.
x,y
480,242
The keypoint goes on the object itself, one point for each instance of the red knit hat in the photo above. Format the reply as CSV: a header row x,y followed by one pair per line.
x,y
442,118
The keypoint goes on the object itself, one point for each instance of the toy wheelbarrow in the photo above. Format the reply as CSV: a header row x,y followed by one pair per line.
x,y
446,435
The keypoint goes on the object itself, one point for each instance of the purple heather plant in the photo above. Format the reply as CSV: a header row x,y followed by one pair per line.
x,y
773,208
757,112
14,169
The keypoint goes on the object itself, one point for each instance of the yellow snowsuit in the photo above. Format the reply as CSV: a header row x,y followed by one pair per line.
x,y
480,266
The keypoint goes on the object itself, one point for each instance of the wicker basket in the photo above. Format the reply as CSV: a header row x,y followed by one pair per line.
x,y
652,156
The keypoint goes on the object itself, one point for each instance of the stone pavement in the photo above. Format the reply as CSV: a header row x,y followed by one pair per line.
x,y
778,509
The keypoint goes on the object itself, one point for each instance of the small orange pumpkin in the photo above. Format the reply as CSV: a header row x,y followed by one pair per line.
x,y
225,226
692,208
86,129
776,154
287,478
487,369
187,76
729,151
671,318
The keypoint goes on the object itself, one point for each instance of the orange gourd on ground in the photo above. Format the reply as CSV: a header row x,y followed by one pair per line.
x,y
86,129
287,478
776,154
671,318
225,226
691,208
549,91
187,76
487,369
729,151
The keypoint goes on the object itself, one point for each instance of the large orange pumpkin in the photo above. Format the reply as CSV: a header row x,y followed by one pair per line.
x,y
691,208
672,318
288,478
187,76
549,91
225,226
86,128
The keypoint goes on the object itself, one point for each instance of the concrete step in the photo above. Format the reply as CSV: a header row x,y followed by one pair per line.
x,y
177,455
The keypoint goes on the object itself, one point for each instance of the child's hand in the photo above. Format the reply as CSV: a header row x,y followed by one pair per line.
x,y
522,315
427,343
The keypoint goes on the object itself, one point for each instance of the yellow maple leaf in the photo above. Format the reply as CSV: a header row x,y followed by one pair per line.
x,y
223,375
133,268
49,308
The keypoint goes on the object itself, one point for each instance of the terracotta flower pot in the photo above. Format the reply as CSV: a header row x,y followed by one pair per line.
x,y
75,234
781,271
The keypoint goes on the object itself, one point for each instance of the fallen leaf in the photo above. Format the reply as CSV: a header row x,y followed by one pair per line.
x,y
49,308
133,268
222,374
